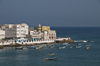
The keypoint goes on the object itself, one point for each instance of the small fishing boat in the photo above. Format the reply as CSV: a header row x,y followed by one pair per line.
x,y
78,46
32,47
52,46
87,47
84,41
20,50
65,44
62,47
55,58
51,54
70,47
38,48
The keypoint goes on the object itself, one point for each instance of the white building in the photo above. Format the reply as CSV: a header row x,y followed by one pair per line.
x,y
35,35
2,34
16,30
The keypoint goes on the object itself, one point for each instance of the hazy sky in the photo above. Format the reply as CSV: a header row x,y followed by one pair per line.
x,y
67,13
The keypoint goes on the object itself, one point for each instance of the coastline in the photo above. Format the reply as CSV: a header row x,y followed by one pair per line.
x,y
31,44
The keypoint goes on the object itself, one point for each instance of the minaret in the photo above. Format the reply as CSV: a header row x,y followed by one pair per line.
x,y
39,28
45,34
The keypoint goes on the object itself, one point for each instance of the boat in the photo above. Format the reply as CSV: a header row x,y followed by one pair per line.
x,y
87,47
70,47
20,50
55,58
38,48
51,54
81,41
84,41
32,47
62,47
65,44
52,46
78,46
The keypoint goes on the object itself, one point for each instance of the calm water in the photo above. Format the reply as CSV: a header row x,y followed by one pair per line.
x,y
66,57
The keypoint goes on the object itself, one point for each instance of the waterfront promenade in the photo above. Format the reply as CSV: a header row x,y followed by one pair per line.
x,y
26,43
13,43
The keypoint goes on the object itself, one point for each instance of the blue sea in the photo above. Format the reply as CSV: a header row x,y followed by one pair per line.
x,y
9,56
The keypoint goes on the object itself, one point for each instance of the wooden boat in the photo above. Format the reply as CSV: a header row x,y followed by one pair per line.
x,y
38,48
66,44
51,54
62,47
78,46
84,41
19,48
32,47
87,47
55,58
52,46
70,47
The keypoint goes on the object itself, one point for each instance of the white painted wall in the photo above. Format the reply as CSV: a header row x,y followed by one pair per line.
x,y
2,34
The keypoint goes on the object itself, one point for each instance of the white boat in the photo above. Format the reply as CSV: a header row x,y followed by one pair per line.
x,y
78,46
65,44
52,46
62,47
84,41
70,47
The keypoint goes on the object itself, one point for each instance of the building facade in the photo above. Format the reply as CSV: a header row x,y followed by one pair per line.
x,y
16,30
35,35
52,34
2,34
45,28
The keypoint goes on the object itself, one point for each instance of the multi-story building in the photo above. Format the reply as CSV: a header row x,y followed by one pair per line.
x,y
16,30
52,34
2,34
35,35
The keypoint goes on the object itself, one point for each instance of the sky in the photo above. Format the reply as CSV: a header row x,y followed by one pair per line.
x,y
55,13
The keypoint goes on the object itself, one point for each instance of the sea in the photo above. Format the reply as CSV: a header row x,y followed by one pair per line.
x,y
9,56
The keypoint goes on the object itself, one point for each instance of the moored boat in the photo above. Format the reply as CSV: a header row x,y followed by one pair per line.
x,y
78,46
62,47
19,48
51,54
55,58
65,44
52,46
70,47
87,47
